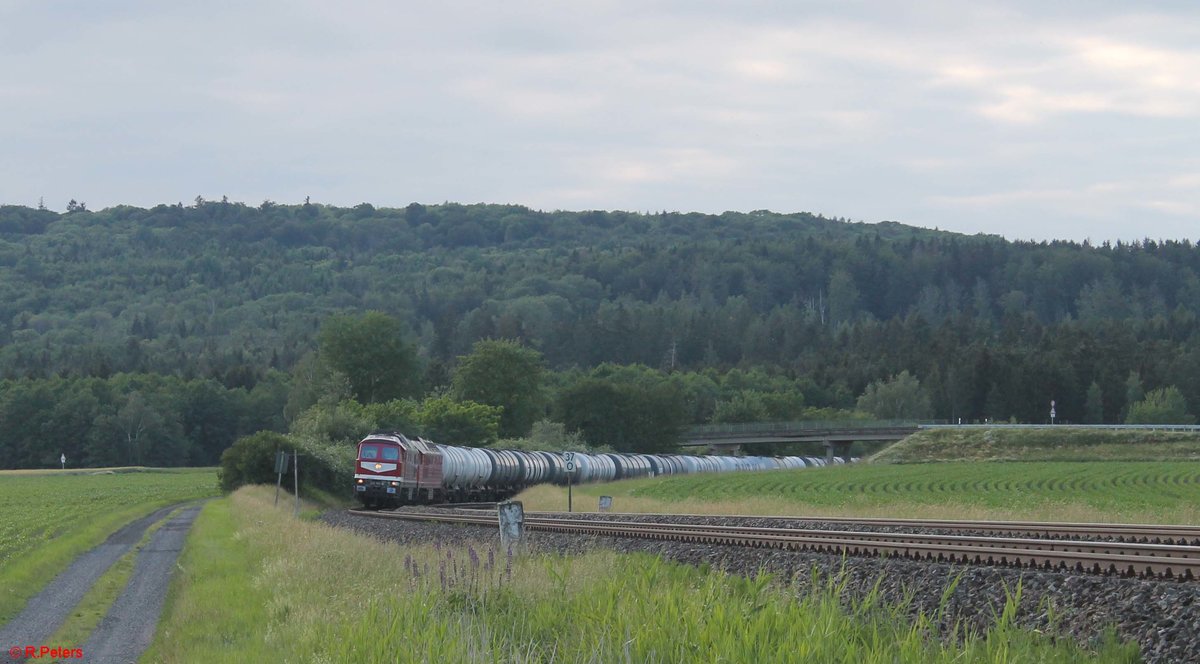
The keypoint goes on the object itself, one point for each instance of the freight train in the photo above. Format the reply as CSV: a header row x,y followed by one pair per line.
x,y
392,469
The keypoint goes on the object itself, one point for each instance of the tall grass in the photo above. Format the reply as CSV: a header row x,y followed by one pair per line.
x,y
257,584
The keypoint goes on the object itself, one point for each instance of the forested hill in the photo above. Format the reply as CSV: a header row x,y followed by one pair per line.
x,y
228,291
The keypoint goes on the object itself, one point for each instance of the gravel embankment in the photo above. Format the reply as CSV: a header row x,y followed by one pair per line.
x,y
1163,617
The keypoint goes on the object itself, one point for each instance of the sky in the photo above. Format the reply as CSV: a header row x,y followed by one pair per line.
x,y
1027,119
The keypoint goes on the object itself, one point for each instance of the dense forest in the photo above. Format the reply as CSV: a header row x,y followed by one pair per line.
x,y
182,310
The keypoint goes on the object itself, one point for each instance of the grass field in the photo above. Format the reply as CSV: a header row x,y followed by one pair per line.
x,y
258,585
1162,492
47,519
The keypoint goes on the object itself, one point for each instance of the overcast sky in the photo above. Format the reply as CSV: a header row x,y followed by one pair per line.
x,y
1028,119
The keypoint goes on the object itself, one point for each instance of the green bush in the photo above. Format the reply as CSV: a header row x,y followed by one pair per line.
x,y
326,467
1162,406
450,422
251,460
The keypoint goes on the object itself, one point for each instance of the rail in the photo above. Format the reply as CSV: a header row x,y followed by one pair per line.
x,y
1094,555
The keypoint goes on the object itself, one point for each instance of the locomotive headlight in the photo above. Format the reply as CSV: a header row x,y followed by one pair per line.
x,y
379,466
395,484
360,481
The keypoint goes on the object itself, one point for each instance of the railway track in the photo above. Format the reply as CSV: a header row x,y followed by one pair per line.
x,y
1121,532
1095,551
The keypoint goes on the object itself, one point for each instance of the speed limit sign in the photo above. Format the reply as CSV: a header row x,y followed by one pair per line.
x,y
569,458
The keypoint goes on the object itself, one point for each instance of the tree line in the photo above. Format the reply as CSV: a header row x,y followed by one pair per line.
x,y
236,296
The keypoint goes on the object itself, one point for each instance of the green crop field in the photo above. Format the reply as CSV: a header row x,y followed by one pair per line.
x,y
1135,491
47,519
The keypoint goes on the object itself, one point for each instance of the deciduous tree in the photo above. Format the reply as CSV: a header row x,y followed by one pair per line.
x,y
1162,406
500,372
899,398
371,351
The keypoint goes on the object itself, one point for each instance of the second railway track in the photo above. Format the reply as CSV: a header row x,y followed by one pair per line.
x,y
1092,551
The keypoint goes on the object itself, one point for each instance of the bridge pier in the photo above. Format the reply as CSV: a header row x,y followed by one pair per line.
x,y
837,448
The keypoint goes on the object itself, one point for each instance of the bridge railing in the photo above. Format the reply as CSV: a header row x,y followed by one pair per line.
x,y
825,425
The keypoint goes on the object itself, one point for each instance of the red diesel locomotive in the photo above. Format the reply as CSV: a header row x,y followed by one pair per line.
x,y
392,468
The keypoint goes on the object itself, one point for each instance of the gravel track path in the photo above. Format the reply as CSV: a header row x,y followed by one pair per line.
x,y
1163,617
128,627
47,611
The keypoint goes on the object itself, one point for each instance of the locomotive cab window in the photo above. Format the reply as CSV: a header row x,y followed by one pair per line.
x,y
391,453
370,452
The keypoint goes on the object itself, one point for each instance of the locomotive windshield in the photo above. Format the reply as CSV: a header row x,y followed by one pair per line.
x,y
385,452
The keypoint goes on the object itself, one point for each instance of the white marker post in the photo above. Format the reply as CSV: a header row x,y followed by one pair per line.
x,y
1052,411
512,525
63,460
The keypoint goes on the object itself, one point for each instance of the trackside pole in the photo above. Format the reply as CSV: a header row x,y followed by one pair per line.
x,y
280,467
296,478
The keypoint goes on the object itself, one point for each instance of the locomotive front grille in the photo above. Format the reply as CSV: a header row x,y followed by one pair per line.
x,y
376,486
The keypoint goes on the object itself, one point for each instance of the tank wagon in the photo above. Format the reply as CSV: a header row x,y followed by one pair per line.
x,y
394,469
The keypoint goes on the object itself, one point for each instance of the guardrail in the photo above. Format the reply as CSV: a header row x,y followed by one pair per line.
x,y
1143,427
810,425
824,425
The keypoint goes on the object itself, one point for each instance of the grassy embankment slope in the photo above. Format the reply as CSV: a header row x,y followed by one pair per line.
x,y
48,519
1054,444
259,585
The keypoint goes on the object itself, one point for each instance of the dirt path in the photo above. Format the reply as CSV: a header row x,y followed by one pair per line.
x,y
128,628
47,611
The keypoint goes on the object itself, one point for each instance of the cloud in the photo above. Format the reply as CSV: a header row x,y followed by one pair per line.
x,y
1099,203
1078,69
973,116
